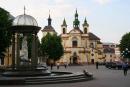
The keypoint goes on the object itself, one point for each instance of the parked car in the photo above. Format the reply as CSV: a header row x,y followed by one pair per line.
x,y
101,63
109,65
118,65
113,65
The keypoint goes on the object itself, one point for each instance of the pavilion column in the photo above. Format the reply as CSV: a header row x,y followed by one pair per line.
x,y
13,51
36,48
33,59
18,50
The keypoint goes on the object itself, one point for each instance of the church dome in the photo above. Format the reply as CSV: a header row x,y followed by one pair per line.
x,y
25,20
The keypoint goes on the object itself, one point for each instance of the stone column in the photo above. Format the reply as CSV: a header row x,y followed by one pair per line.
x,y
33,52
36,48
18,51
13,51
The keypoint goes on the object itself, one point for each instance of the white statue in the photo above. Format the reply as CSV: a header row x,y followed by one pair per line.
x,y
24,50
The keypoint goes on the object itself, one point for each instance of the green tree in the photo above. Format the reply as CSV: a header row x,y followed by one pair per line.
x,y
52,47
125,45
5,35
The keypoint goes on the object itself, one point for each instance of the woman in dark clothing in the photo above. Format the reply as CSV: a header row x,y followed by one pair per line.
x,y
125,68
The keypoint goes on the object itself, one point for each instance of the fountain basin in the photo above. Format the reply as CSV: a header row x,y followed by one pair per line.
x,y
52,78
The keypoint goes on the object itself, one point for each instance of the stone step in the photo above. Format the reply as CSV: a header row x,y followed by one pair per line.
x,y
46,77
58,81
52,79
56,78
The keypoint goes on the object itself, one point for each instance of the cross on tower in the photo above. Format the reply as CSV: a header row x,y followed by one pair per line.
x,y
24,10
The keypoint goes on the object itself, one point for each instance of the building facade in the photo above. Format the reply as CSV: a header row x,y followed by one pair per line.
x,y
111,52
6,61
80,46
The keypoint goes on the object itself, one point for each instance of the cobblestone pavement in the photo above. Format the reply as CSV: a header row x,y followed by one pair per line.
x,y
103,78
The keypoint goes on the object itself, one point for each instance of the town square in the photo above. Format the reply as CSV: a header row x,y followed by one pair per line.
x,y
64,43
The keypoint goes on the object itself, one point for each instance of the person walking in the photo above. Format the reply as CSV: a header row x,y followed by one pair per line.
x,y
65,64
58,65
51,64
125,68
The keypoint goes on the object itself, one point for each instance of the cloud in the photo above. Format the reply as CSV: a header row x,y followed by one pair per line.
x,y
102,2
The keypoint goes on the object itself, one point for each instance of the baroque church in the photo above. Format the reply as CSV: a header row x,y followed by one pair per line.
x,y
80,46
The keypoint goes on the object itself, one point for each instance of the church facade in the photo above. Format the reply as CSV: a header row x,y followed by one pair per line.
x,y
80,46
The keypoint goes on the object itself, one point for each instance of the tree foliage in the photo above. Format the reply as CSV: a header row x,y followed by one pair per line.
x,y
5,35
51,46
125,43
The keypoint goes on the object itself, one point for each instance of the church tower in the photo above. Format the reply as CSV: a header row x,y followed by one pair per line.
x,y
49,20
85,26
64,27
49,28
76,22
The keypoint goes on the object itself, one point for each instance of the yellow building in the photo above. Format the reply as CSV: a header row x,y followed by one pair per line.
x,y
8,55
7,60
80,46
111,52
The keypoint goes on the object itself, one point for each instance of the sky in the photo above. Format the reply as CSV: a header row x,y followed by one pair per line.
x,y
107,19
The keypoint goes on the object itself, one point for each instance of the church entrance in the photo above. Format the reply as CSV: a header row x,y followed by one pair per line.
x,y
92,61
75,58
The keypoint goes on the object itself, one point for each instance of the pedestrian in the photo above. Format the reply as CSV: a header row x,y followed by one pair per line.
x,y
58,65
51,66
97,65
125,68
65,64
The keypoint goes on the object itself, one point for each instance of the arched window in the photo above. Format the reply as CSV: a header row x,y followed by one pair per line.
x,y
74,42
63,30
91,45
85,30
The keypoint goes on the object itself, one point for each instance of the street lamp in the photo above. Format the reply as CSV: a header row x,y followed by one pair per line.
x,y
126,54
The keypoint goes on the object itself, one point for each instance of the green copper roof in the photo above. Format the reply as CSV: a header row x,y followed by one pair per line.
x,y
85,22
76,22
76,14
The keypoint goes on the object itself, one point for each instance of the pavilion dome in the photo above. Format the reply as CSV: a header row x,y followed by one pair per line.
x,y
25,20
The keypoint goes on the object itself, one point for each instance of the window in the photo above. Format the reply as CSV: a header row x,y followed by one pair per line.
x,y
74,43
85,30
91,45
63,30
99,52
92,54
